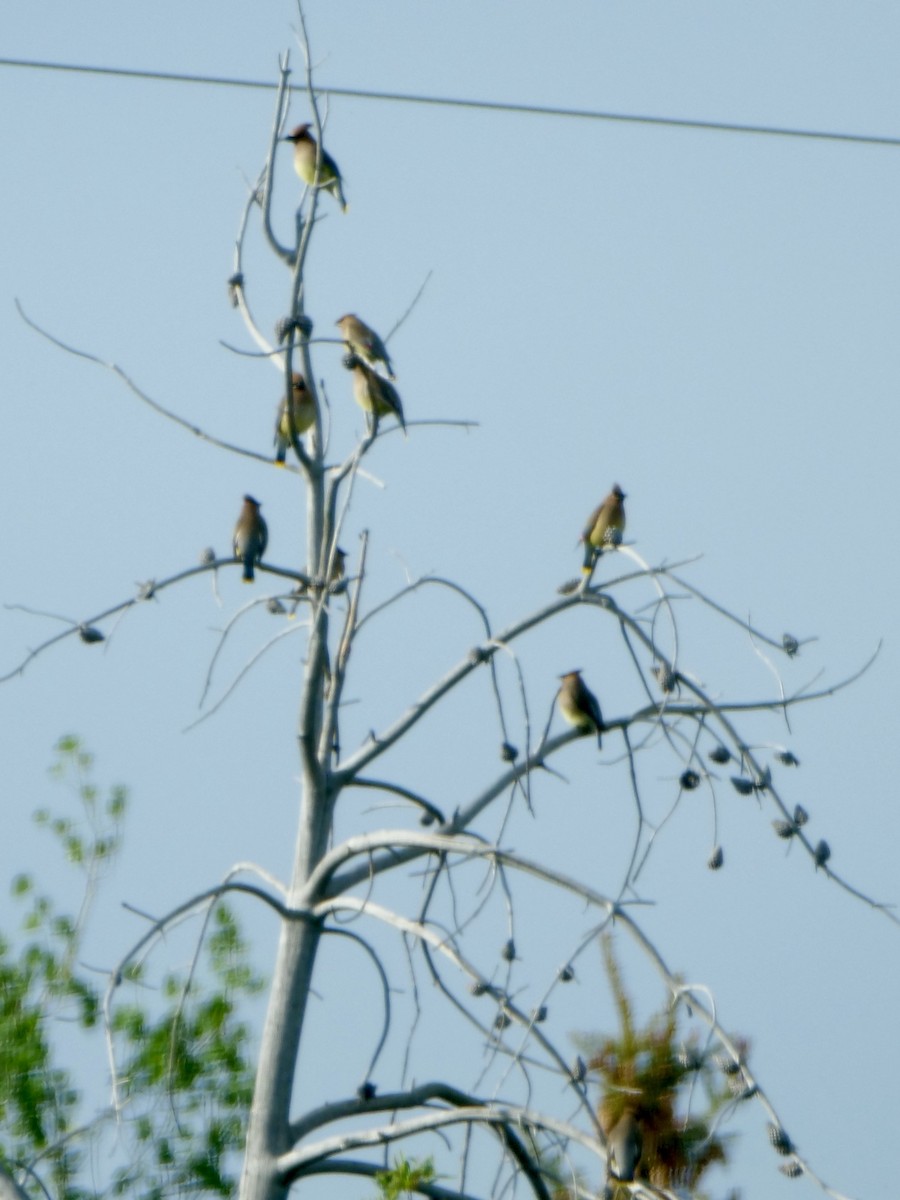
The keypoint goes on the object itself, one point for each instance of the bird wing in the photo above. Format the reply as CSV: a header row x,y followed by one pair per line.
x,y
587,535
592,707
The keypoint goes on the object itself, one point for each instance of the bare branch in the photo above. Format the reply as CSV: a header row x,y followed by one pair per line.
x,y
9,1189
292,1165
412,304
144,594
345,1166
142,395
385,991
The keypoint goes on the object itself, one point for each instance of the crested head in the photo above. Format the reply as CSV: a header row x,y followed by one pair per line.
x,y
249,500
341,321
298,383
300,133
617,492
571,674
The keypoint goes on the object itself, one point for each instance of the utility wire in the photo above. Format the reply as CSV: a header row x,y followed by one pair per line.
x,y
541,110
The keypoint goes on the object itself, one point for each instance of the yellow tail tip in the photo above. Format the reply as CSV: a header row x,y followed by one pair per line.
x,y
278,462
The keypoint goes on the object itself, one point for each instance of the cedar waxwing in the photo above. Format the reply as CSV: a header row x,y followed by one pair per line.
x,y
623,1147
303,410
365,342
604,528
338,566
335,575
579,706
306,150
373,393
250,537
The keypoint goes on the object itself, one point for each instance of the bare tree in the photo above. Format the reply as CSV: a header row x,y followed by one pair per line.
x,y
479,1072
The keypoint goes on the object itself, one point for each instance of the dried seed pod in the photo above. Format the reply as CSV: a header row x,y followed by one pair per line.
x,y
579,1070
567,974
427,818
716,859
539,1014
689,780
742,785
728,1065
570,586
207,556
784,829
501,1021
720,754
822,853
791,1169
235,284
509,752
274,606
780,1140
89,634
147,589
788,758
479,988
366,1091
801,816
763,781
509,951
666,678
790,645
284,327
689,1059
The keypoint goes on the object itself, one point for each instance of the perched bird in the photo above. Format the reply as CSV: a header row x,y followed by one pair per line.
x,y
306,151
335,575
365,342
338,566
251,535
373,393
604,528
624,1146
579,706
303,411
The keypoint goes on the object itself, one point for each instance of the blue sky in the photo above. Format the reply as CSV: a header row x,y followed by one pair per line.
x,y
705,317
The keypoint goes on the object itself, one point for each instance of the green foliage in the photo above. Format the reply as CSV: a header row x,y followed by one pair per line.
x,y
184,1071
40,985
650,1072
187,1079
405,1177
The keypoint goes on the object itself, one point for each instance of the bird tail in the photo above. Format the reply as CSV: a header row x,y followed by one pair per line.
x,y
248,575
591,554
280,451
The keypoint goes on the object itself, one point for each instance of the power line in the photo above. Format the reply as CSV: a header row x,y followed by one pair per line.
x,y
541,110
